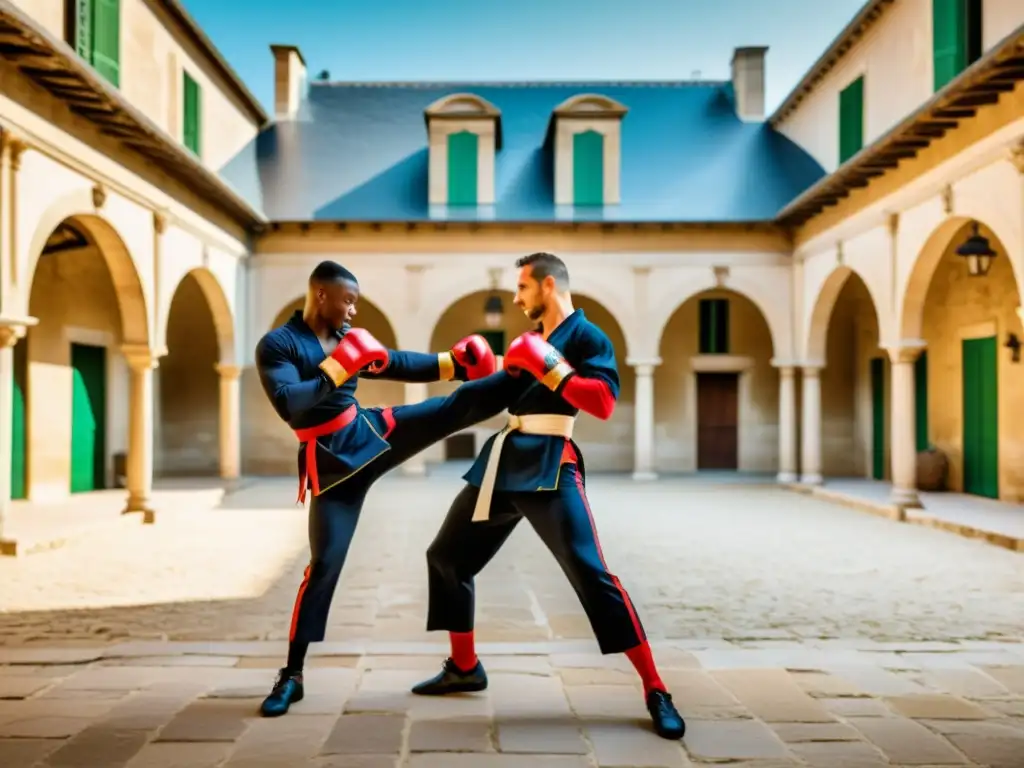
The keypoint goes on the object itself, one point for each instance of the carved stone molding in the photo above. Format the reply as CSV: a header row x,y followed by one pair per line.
x,y
721,275
1017,156
947,199
99,196
159,222
894,224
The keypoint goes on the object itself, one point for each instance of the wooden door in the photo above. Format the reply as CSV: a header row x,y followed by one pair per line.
x,y
19,443
717,412
981,417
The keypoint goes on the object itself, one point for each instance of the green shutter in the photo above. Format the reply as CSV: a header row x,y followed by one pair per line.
x,y
496,340
921,401
106,39
851,120
588,168
463,157
949,40
878,418
19,454
980,417
83,29
714,326
193,100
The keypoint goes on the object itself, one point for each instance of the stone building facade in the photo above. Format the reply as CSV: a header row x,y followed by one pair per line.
x,y
783,291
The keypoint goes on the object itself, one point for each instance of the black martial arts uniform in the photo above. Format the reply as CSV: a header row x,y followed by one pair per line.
x,y
539,477
344,448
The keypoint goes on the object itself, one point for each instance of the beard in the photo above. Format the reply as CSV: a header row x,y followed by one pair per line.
x,y
535,313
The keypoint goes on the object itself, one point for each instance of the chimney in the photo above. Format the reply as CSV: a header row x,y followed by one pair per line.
x,y
748,82
289,80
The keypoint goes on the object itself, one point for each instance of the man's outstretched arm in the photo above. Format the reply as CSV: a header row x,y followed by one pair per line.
x,y
471,358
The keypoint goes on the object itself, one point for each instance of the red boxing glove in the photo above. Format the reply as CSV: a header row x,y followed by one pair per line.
x,y
531,353
475,355
354,352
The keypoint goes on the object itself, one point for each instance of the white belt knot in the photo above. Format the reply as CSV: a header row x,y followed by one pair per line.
x,y
552,424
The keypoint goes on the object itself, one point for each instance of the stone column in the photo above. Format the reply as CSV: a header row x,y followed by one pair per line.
x,y
10,332
416,466
643,413
787,424
230,421
141,362
903,438
811,453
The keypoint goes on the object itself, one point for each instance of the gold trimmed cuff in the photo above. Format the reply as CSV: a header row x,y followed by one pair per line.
x,y
445,366
335,371
554,378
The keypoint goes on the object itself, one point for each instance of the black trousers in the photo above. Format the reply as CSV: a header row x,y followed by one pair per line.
x,y
334,514
563,520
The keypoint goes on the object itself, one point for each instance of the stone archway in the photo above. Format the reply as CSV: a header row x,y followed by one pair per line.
x,y
969,389
716,393
90,305
193,379
269,444
855,386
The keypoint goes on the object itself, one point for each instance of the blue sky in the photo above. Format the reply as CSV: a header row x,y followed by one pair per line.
x,y
538,40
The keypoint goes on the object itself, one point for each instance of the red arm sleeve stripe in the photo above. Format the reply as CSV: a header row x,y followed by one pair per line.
x,y
590,395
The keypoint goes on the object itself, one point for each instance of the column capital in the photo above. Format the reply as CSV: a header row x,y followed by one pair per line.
x,y
785,366
811,367
228,371
159,222
140,357
906,351
643,362
12,145
14,328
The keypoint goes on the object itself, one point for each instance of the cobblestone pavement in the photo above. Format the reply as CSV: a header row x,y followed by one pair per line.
x,y
790,631
700,559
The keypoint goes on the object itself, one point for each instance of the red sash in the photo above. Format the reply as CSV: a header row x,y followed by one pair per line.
x,y
309,436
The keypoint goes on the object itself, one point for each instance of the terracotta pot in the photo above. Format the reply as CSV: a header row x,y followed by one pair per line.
x,y
932,470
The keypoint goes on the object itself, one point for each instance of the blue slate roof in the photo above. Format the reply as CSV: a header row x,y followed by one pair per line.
x,y
359,152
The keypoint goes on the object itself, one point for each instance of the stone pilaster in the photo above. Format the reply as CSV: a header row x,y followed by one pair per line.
x,y
811,445
787,423
643,412
903,447
230,421
141,362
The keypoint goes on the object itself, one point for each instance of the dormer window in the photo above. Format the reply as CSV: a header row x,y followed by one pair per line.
x,y
588,141
464,132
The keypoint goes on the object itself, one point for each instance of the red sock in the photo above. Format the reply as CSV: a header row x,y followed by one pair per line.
x,y
463,650
643,660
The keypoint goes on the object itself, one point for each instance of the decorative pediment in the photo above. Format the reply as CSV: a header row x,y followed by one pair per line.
x,y
462,105
464,133
591,105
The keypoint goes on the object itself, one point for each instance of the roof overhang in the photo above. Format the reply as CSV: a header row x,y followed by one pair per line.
x,y
997,72
52,65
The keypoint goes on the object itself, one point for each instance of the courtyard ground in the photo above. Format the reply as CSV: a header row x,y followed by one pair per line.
x,y
792,632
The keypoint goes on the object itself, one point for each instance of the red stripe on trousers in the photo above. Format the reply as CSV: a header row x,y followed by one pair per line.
x,y
600,554
389,422
298,604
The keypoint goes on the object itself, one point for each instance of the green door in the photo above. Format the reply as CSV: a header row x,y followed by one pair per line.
x,y
878,418
19,453
88,417
981,417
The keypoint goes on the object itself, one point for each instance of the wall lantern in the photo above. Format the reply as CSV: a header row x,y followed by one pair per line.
x,y
1013,344
978,252
494,311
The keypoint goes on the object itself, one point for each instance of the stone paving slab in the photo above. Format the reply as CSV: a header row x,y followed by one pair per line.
x,y
562,709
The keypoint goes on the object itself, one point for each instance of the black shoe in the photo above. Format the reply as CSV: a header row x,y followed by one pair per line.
x,y
287,690
668,723
451,679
